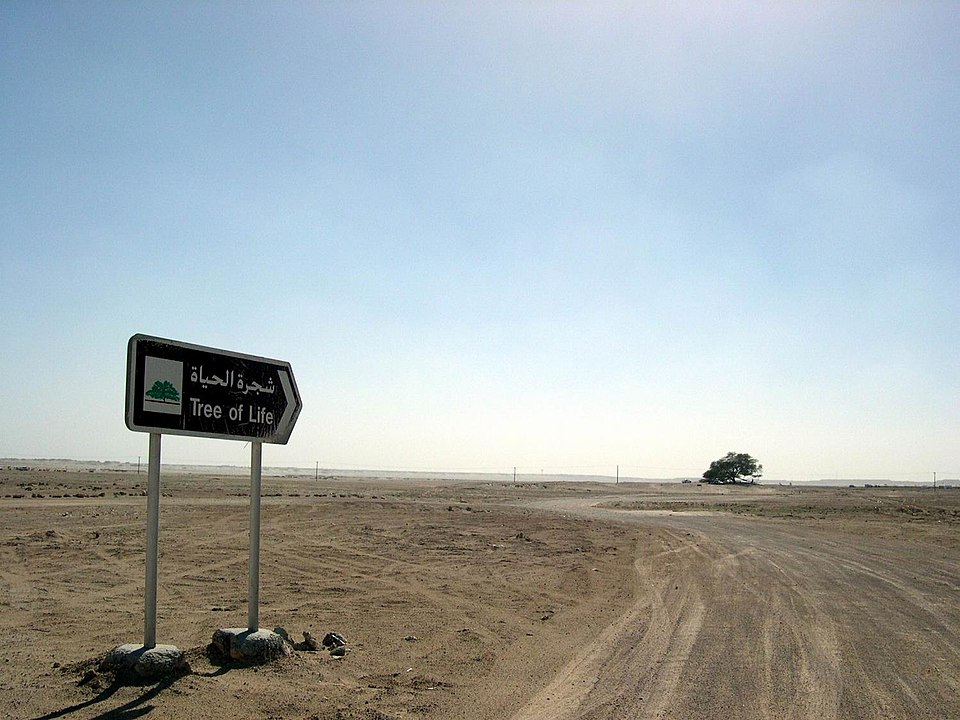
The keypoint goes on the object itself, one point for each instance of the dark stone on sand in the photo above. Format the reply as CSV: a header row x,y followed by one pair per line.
x,y
333,640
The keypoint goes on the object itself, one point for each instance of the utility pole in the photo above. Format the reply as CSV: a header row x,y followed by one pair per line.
x,y
618,474
934,479
316,474
514,474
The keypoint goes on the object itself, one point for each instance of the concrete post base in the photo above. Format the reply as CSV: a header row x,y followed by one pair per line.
x,y
249,647
142,663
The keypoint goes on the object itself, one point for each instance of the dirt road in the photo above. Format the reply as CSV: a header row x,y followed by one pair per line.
x,y
464,600
752,618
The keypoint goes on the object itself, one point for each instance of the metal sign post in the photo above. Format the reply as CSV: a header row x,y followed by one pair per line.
x,y
253,572
183,389
153,536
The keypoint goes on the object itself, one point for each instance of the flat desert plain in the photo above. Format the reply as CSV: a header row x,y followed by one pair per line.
x,y
473,599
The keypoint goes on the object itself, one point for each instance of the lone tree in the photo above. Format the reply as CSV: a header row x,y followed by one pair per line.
x,y
734,468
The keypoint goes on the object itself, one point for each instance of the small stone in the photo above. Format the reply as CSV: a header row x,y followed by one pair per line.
x,y
88,676
333,640
411,638
310,641
339,651
283,633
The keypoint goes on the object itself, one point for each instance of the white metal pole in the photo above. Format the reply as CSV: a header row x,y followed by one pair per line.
x,y
153,534
253,580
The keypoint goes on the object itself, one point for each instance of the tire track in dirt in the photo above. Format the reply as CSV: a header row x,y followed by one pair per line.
x,y
630,670
766,620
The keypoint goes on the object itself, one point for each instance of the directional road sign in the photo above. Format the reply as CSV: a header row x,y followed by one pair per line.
x,y
182,389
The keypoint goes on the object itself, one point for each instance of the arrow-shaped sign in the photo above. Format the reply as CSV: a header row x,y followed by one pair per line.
x,y
182,389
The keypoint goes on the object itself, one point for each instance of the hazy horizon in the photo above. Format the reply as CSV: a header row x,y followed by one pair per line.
x,y
521,474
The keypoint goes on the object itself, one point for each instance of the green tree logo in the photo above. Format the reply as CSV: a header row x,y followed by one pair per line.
x,y
163,391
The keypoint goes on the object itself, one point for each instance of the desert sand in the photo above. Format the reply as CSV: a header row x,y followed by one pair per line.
x,y
472,599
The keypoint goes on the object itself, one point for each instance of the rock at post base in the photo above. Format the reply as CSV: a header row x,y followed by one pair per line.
x,y
146,663
249,647
333,640
309,641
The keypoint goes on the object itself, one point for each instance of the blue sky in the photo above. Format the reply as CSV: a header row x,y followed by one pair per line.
x,y
545,235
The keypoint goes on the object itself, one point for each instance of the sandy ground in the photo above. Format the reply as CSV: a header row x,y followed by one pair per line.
x,y
488,600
